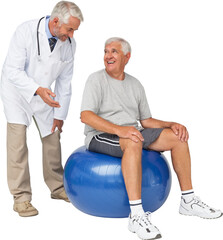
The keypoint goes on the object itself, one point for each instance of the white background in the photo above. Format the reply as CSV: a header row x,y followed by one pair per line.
x,y
178,56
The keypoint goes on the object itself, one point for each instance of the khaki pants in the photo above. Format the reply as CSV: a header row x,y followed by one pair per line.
x,y
18,167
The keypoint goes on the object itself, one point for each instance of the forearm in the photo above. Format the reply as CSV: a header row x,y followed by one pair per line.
x,y
177,128
155,123
63,92
98,123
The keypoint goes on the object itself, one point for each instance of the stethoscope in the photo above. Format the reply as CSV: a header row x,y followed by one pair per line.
x,y
37,37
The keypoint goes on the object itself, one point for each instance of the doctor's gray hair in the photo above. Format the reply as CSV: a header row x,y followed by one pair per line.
x,y
64,9
126,48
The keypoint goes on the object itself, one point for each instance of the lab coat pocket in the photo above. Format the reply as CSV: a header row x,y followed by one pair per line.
x,y
58,67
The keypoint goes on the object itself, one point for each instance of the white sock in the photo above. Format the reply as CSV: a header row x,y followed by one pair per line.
x,y
188,195
136,207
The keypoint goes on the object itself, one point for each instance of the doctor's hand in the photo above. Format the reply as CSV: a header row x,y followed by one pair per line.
x,y
45,94
57,123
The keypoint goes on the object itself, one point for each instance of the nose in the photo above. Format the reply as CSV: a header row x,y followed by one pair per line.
x,y
108,55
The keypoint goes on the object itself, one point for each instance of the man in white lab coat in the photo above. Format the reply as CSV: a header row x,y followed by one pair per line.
x,y
41,52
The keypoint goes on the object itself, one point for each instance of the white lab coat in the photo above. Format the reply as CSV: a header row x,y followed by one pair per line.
x,y
23,72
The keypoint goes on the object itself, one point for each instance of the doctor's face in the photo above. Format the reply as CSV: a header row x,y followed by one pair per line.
x,y
66,30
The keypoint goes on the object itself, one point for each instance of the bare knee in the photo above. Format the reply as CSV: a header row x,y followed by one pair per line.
x,y
175,141
129,145
167,140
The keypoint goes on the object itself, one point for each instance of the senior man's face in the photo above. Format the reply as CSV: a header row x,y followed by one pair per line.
x,y
115,60
66,29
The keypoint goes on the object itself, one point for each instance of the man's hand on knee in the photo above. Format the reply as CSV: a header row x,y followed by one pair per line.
x,y
130,133
180,131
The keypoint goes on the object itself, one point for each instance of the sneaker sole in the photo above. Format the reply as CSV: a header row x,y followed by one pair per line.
x,y
156,237
191,215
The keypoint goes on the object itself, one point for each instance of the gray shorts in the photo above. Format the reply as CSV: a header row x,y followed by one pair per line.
x,y
109,143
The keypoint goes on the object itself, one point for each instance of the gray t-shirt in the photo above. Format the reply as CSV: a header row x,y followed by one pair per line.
x,y
120,102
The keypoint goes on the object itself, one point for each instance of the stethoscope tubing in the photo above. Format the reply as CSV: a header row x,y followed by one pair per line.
x,y
37,36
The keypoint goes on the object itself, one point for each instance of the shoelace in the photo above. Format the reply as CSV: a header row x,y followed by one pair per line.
x,y
145,218
28,204
198,200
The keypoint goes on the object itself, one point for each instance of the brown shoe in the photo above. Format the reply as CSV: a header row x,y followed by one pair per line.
x,y
25,209
62,196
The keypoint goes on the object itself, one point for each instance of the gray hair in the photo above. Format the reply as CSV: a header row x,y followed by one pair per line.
x,y
64,9
126,48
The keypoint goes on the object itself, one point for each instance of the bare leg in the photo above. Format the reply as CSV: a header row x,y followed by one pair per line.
x,y
180,156
131,167
139,222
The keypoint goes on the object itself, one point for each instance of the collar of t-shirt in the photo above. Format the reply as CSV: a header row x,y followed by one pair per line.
x,y
48,33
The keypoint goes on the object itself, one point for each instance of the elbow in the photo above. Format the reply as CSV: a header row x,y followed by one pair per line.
x,y
87,117
84,117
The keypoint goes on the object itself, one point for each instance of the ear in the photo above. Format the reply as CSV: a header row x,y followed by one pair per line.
x,y
127,57
56,21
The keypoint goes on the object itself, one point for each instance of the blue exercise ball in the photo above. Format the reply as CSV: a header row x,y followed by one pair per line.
x,y
95,185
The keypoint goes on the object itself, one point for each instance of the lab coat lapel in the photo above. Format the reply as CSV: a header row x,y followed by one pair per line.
x,y
57,46
43,40
44,43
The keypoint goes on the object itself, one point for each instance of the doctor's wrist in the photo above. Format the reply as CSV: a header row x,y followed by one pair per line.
x,y
38,91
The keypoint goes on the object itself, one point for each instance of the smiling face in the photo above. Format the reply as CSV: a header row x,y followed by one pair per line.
x,y
115,60
64,30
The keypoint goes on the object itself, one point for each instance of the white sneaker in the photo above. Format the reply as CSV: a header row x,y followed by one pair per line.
x,y
142,226
197,208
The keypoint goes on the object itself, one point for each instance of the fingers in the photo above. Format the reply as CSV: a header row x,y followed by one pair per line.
x,y
181,132
131,133
187,136
45,94
137,136
49,100
52,103
175,130
183,135
60,128
51,93
53,128
57,124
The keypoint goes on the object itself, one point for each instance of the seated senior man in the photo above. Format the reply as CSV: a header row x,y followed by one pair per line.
x,y
113,103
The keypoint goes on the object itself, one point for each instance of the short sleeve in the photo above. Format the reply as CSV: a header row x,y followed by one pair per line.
x,y
91,99
144,110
